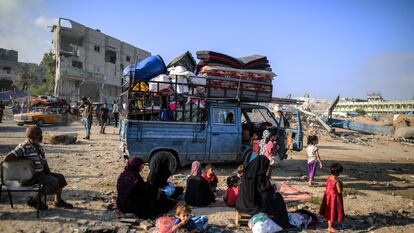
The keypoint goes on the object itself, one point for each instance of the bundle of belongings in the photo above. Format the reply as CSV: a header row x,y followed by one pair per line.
x,y
262,223
177,91
48,101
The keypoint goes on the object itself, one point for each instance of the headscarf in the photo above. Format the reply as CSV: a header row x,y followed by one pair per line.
x,y
254,181
159,172
129,179
265,136
195,168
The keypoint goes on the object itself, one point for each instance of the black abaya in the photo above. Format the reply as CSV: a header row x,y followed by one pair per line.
x,y
198,192
258,195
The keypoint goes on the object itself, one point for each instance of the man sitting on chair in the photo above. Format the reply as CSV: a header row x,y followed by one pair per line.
x,y
52,183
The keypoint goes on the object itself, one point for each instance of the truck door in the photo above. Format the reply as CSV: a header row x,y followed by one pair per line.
x,y
225,133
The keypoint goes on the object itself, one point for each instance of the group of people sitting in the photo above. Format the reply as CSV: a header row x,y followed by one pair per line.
x,y
249,189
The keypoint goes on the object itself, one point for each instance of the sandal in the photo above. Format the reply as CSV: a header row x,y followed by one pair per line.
x,y
36,205
63,204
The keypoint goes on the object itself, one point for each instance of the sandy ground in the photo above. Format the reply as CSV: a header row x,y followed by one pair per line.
x,y
378,179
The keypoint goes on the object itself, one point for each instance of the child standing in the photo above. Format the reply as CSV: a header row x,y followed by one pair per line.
x,y
271,148
211,177
312,152
332,207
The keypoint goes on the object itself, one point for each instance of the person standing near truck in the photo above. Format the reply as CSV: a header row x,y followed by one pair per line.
x,y
115,111
86,116
1,111
104,117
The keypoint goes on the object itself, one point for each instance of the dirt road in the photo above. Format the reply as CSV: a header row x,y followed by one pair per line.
x,y
379,182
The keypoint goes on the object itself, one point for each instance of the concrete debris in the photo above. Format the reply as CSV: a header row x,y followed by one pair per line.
x,y
146,225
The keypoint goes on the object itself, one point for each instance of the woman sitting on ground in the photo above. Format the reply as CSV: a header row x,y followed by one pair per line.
x,y
134,194
158,177
257,194
198,191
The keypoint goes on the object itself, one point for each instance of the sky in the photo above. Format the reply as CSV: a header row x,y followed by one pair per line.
x,y
323,48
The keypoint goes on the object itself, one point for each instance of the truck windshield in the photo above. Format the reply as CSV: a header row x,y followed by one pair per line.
x,y
260,116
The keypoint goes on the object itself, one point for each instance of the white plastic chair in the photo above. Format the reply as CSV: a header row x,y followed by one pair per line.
x,y
13,176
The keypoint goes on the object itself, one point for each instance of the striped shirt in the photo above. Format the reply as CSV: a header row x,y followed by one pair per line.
x,y
26,150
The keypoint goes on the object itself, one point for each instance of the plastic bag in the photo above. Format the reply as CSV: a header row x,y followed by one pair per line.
x,y
160,83
296,219
261,223
169,189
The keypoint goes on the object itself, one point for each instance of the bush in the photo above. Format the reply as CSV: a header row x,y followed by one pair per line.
x,y
361,112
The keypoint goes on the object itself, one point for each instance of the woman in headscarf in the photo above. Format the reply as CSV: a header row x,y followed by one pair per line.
x,y
159,174
134,194
198,191
257,194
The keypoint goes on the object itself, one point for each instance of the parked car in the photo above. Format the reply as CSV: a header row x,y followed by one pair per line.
x,y
41,116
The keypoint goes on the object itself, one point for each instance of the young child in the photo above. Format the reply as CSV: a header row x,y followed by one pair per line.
x,y
232,192
271,148
332,207
211,177
184,221
312,152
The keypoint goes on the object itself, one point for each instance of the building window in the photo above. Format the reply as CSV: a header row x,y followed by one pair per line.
x,y
77,64
7,70
97,48
222,116
110,56
128,59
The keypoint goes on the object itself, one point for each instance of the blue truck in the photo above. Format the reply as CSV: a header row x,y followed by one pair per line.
x,y
223,136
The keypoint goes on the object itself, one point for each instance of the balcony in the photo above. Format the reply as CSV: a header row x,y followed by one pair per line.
x,y
80,74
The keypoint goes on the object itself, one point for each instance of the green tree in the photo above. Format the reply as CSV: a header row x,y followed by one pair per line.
x,y
29,80
361,111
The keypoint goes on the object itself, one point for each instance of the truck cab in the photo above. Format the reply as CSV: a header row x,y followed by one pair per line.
x,y
221,136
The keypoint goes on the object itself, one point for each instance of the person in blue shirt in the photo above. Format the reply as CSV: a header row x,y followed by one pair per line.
x,y
184,220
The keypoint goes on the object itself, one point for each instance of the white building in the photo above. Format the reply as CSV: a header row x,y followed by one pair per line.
x,y
90,63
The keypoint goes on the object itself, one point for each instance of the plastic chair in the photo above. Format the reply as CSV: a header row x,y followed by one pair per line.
x,y
14,174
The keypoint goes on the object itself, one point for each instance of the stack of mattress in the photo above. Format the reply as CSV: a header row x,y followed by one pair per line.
x,y
253,72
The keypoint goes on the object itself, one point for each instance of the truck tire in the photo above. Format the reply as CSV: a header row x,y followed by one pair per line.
x,y
20,124
40,122
167,154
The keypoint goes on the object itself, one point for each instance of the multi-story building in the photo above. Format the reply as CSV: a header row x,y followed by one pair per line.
x,y
90,63
11,68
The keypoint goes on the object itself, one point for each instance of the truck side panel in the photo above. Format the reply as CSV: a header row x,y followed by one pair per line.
x,y
186,140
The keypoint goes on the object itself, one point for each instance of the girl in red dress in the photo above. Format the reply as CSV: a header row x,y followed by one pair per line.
x,y
332,207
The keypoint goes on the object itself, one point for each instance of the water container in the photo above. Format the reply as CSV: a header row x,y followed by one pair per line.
x,y
148,68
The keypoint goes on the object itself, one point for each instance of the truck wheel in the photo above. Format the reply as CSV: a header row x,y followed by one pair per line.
x,y
40,122
20,124
165,154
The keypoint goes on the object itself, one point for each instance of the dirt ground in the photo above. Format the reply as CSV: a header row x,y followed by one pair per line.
x,y
379,181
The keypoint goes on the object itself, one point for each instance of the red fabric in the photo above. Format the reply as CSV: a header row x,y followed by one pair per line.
x,y
332,204
164,225
232,194
212,180
255,146
270,150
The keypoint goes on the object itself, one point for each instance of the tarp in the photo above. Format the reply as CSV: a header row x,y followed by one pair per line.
x,y
8,95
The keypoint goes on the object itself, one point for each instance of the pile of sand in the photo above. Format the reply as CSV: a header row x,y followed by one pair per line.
x,y
60,138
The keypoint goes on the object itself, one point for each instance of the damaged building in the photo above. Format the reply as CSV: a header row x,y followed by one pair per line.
x,y
89,62
11,69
